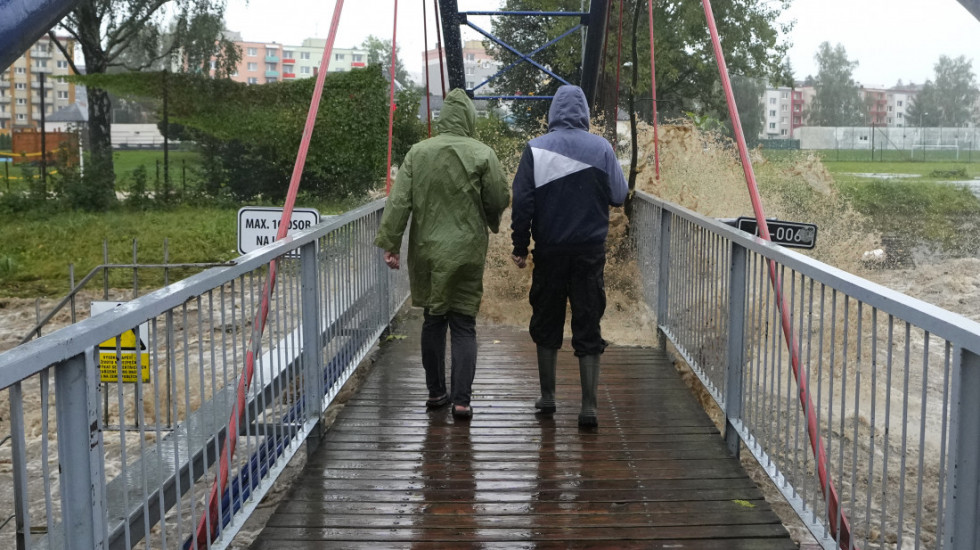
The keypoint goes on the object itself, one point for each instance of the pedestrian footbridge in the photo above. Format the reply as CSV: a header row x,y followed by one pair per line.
x,y
857,403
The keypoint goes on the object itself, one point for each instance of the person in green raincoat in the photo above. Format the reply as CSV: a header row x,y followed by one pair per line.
x,y
453,189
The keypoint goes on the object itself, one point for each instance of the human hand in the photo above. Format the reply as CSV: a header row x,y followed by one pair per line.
x,y
393,260
519,261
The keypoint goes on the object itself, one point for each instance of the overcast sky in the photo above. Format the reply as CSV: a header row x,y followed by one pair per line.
x,y
890,39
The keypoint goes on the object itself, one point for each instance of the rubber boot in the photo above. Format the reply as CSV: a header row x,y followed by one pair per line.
x,y
547,359
588,367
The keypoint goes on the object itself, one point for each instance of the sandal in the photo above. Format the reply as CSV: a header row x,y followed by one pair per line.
x,y
436,402
462,411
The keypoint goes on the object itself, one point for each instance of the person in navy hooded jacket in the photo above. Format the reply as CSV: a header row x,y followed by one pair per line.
x,y
564,186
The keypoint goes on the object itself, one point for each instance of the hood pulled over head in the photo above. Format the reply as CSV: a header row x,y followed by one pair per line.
x,y
458,115
569,109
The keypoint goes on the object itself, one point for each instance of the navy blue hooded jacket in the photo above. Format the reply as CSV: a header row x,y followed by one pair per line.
x,y
566,182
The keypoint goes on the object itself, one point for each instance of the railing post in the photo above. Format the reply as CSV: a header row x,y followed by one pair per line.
x,y
735,354
80,452
312,358
962,516
663,276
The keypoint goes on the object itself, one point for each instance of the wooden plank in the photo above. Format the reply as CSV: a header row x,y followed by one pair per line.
x,y
656,474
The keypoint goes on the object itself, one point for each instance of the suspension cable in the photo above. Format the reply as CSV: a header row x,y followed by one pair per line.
x,y
207,528
441,48
653,95
425,39
838,521
391,105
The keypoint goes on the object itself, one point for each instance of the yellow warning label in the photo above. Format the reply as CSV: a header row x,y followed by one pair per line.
x,y
119,364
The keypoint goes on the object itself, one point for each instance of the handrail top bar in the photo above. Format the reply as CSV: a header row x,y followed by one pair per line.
x,y
28,359
545,13
513,97
940,322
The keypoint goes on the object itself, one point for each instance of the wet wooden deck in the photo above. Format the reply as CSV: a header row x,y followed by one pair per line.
x,y
656,473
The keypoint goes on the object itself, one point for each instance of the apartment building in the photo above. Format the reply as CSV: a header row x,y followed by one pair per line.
x,y
265,62
477,65
777,121
22,83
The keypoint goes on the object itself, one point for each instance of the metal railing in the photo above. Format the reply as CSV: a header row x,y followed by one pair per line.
x,y
73,483
893,381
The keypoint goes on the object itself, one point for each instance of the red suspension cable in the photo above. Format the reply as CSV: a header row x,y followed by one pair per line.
x,y
835,514
207,527
653,95
392,107
425,39
441,48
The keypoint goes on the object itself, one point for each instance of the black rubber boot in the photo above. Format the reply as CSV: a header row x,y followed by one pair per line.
x,y
588,367
547,360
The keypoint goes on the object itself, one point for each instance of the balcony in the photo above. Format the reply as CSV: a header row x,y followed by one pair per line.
x,y
288,60
43,54
288,75
272,59
271,74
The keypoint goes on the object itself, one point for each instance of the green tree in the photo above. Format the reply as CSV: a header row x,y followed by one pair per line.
x,y
379,53
687,75
748,93
950,100
135,35
837,101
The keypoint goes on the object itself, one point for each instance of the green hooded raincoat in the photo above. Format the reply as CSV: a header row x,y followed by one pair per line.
x,y
453,188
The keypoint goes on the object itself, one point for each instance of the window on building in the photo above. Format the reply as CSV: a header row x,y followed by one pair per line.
x,y
304,70
797,120
339,57
21,101
785,95
304,55
272,79
42,63
772,125
20,86
253,80
62,64
20,70
288,54
900,115
272,51
252,52
899,102
783,132
287,68
62,95
21,117
358,58
772,101
890,108
772,112
890,120
270,66
469,70
253,66
784,107
470,84
471,57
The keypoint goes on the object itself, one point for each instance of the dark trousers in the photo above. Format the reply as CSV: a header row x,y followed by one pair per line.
x,y
560,279
462,329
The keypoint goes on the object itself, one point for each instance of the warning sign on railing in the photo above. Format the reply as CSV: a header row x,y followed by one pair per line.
x,y
119,364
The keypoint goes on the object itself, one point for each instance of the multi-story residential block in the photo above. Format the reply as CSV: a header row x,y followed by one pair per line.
x,y
875,106
22,83
777,119
477,64
899,101
265,62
